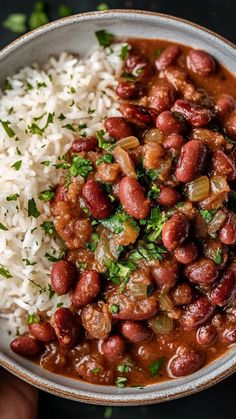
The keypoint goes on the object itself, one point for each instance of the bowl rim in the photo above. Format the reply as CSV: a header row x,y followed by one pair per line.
x,y
103,398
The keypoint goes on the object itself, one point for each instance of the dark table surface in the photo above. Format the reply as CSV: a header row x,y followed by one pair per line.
x,y
219,400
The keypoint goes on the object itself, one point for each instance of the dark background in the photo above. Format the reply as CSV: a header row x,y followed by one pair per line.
x,y
219,400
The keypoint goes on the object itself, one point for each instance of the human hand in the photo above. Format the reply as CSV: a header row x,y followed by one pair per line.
x,y
18,400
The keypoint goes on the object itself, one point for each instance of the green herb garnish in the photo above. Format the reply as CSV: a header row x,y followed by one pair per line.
x,y
32,318
153,193
119,271
94,242
121,381
158,52
53,258
104,38
46,195
2,227
155,366
28,263
32,209
48,227
147,251
13,197
7,128
116,222
114,308
80,166
107,158
154,224
5,272
218,256
124,52
17,165
8,86
207,214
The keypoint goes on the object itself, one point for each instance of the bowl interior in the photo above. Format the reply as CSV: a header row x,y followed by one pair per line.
x,y
76,34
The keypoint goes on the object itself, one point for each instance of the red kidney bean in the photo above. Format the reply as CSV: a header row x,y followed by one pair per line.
x,y
168,197
141,116
161,96
182,294
139,66
63,276
97,200
26,346
167,57
186,253
206,335
186,363
175,231
113,348
129,90
225,289
169,123
84,144
86,290
223,165
200,62
197,312
174,141
91,369
230,125
132,198
203,271
67,327
227,234
191,161
229,335
166,274
135,332
42,331
118,127
196,115
225,104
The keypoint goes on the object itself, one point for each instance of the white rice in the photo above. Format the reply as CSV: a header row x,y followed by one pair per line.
x,y
93,79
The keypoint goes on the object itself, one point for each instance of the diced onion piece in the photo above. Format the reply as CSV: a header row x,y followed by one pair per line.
x,y
104,252
124,161
165,302
137,289
128,235
198,189
128,143
217,222
154,135
219,185
219,189
161,324
165,168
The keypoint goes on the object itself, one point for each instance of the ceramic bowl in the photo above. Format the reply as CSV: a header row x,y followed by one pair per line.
x,y
76,34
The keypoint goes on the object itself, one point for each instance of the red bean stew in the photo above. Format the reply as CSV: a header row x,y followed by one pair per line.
x,y
148,221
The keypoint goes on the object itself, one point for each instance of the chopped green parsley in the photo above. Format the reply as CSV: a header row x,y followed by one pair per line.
x,y
104,38
32,209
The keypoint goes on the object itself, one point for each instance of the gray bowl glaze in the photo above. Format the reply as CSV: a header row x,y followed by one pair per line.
x,y
76,34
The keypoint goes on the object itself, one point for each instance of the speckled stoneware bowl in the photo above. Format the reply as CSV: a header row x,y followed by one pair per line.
x,y
76,34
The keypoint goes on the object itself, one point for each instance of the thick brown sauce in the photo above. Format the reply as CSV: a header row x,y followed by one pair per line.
x,y
143,354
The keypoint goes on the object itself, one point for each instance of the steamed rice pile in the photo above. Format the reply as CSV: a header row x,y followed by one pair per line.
x,y
39,111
